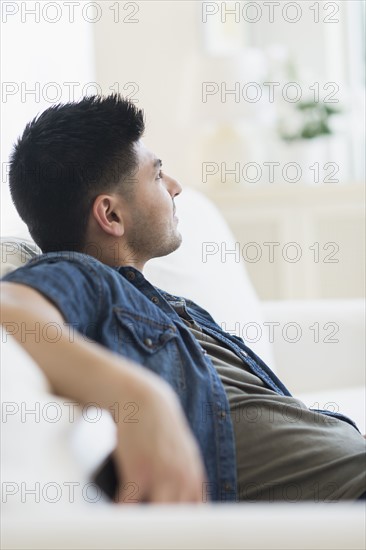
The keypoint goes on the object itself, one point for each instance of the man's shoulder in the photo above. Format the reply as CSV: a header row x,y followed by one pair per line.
x,y
79,285
62,264
69,257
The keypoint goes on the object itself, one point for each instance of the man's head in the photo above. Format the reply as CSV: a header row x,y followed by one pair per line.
x,y
82,180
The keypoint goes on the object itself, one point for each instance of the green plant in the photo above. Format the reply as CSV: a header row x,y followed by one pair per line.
x,y
312,121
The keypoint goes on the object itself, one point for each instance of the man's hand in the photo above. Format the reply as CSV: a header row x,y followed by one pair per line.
x,y
157,457
157,454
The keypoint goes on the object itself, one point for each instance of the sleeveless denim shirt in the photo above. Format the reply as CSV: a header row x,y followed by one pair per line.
x,y
121,310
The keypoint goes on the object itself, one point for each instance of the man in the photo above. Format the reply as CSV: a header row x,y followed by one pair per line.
x,y
98,204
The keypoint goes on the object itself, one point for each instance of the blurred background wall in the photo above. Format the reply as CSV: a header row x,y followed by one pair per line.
x,y
260,105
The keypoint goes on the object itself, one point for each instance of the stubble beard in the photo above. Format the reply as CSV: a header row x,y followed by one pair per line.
x,y
147,243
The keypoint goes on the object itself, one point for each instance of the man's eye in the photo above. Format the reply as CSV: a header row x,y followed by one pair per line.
x,y
160,175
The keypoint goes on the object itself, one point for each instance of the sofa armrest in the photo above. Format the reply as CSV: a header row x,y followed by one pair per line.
x,y
307,526
318,344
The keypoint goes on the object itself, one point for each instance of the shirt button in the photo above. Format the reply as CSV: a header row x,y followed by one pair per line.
x,y
130,275
244,353
227,487
222,414
155,300
148,342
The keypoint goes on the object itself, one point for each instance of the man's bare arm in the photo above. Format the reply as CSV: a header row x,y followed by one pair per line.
x,y
158,453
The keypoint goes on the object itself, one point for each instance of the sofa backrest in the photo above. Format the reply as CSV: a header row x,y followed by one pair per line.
x,y
202,269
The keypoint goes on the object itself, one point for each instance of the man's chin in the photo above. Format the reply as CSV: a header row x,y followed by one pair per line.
x,y
173,245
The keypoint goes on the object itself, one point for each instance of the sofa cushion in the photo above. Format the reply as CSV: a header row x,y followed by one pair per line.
x,y
50,444
15,252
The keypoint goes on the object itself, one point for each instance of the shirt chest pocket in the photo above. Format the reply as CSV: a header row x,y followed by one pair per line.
x,y
152,343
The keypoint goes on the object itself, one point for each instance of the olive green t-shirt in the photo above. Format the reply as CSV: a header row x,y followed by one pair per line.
x,y
285,451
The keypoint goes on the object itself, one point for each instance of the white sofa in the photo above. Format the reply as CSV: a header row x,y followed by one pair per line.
x,y
49,455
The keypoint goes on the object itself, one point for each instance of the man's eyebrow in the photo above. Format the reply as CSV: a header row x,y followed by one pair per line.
x,y
158,163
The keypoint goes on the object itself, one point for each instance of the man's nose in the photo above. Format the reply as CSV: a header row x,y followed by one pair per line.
x,y
174,187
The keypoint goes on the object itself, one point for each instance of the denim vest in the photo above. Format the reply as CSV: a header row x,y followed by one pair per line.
x,y
120,309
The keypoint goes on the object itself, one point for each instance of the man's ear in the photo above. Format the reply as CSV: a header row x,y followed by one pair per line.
x,y
107,212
